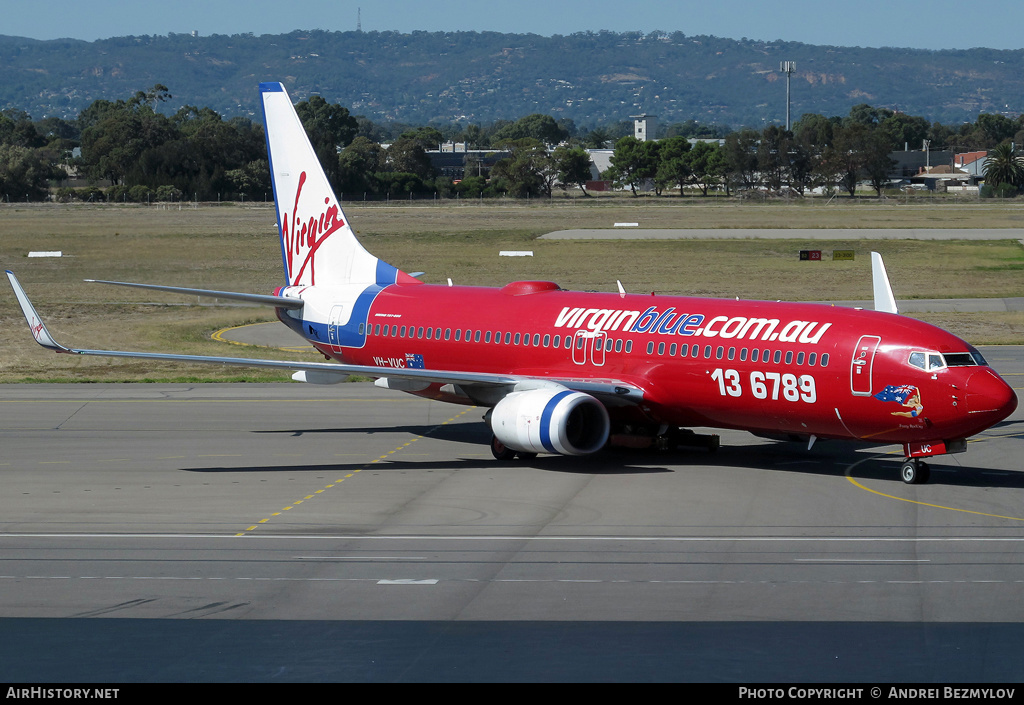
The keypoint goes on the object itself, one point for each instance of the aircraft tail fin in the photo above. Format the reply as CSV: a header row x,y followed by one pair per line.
x,y
318,244
884,300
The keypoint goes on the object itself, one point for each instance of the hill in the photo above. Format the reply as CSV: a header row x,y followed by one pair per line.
x,y
591,78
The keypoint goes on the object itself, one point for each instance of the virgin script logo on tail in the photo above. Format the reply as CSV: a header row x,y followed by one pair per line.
x,y
303,236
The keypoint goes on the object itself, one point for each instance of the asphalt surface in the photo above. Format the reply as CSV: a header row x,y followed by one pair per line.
x,y
291,533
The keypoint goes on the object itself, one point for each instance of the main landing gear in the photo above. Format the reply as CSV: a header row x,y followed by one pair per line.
x,y
915,471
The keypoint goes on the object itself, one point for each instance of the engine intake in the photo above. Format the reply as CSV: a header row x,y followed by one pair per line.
x,y
551,421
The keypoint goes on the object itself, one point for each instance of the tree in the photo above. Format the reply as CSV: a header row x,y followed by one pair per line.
x,y
673,164
528,170
598,138
573,167
773,156
1004,166
859,151
330,128
707,165
406,155
633,163
542,128
24,172
359,164
741,157
905,130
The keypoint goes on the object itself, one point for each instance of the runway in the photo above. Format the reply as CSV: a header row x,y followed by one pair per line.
x,y
293,532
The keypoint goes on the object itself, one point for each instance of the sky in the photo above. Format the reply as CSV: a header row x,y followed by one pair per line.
x,y
921,24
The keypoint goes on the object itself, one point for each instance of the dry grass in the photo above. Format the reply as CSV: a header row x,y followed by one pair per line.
x,y
235,248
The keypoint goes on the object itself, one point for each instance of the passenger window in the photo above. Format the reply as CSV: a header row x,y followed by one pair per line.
x,y
812,358
707,352
683,350
487,337
536,340
650,348
672,349
743,354
547,341
458,334
800,358
732,353
661,348
476,337
447,333
789,357
754,355
629,346
430,333
778,356
508,337
618,345
824,359
376,329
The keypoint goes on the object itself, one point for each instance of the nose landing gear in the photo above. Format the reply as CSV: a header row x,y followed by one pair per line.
x,y
915,471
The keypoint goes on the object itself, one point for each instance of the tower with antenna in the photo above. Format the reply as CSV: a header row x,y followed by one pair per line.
x,y
787,67
359,19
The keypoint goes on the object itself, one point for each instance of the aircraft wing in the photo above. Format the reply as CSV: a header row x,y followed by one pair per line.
x,y
610,389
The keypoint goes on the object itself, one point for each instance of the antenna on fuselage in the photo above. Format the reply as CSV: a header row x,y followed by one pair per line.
x,y
884,300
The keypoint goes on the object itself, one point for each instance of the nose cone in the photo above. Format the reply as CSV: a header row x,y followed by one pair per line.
x,y
989,398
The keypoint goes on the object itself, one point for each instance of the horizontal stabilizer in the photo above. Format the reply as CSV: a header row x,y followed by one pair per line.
x,y
262,299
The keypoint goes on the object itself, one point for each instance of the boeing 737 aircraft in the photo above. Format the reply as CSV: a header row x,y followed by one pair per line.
x,y
569,373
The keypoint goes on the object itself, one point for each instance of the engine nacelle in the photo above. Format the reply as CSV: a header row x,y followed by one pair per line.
x,y
551,421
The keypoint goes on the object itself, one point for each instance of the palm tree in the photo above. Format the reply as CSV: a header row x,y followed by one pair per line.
x,y
1004,166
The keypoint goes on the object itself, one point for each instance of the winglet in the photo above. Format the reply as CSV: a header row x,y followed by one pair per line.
x,y
884,300
35,323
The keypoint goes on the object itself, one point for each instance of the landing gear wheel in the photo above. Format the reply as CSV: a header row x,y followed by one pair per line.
x,y
915,472
500,451
526,456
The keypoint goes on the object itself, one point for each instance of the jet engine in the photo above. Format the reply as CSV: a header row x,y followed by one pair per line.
x,y
550,421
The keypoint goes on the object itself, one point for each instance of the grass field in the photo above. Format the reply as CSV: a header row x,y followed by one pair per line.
x,y
235,248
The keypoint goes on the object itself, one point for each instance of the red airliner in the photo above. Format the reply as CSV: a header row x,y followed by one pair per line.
x,y
570,373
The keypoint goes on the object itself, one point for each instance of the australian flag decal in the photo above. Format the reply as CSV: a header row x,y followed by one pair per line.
x,y
899,393
414,362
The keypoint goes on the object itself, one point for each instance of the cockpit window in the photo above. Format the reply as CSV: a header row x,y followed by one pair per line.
x,y
960,359
978,358
917,359
935,361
